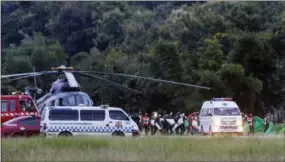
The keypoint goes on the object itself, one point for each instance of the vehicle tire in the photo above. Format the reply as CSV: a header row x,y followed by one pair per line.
x,y
210,131
17,135
118,133
65,134
202,130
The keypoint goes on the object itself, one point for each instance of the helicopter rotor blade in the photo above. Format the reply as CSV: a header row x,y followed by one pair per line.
x,y
109,81
30,75
147,78
27,74
20,74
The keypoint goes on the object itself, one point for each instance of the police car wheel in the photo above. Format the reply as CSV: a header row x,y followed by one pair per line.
x,y
202,131
210,131
118,134
17,135
65,134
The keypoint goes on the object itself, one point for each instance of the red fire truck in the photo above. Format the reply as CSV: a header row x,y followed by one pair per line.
x,y
17,104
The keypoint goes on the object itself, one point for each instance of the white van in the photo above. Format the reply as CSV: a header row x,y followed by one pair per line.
x,y
77,120
220,115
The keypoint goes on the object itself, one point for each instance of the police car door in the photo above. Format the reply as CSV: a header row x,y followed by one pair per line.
x,y
93,122
119,121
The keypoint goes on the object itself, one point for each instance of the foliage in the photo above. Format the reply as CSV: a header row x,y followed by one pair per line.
x,y
236,48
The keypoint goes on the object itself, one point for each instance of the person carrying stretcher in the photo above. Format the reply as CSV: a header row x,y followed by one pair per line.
x,y
250,124
191,117
145,121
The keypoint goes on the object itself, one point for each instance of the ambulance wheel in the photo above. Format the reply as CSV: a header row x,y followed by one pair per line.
x,y
65,134
118,133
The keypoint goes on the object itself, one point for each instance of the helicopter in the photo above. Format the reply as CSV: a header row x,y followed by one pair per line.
x,y
65,91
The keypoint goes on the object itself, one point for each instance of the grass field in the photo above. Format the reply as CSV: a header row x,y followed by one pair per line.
x,y
143,149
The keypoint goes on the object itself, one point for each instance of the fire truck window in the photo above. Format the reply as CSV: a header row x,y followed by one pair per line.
x,y
22,106
29,104
4,106
12,105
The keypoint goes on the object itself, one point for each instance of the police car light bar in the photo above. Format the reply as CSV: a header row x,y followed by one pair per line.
x,y
222,99
104,106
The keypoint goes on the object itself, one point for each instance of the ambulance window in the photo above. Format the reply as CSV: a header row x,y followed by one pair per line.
x,y
226,111
205,112
118,115
4,106
61,114
92,115
12,105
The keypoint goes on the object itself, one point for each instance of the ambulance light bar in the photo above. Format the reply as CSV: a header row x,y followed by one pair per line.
x,y
222,99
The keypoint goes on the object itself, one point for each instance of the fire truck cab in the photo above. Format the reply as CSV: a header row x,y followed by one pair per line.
x,y
17,104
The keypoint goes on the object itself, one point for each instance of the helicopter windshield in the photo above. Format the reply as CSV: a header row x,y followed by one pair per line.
x,y
73,100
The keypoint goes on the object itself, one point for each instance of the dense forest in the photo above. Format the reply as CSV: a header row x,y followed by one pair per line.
x,y
236,48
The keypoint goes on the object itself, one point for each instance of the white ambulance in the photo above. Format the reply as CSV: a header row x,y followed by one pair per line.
x,y
77,120
220,115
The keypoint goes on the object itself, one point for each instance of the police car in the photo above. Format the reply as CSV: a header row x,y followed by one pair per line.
x,y
72,121
220,115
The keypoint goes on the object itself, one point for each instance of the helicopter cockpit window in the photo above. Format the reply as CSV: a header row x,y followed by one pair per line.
x,y
73,100
79,99
22,105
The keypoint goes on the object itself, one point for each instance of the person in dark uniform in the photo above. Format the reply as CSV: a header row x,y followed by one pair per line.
x,y
266,122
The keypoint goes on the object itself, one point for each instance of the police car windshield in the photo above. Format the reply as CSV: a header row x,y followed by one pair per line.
x,y
226,111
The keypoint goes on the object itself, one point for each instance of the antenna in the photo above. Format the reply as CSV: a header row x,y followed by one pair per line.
x,y
35,81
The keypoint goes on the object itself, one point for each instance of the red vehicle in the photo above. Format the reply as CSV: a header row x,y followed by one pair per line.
x,y
23,126
16,105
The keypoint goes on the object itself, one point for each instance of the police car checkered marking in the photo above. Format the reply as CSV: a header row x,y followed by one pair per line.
x,y
88,129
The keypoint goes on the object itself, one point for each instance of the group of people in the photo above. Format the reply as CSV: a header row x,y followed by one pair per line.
x,y
169,123
166,123
250,121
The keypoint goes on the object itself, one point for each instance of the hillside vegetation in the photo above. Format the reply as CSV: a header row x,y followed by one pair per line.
x,y
236,48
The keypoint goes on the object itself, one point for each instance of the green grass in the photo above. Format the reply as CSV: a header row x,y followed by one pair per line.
x,y
143,149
